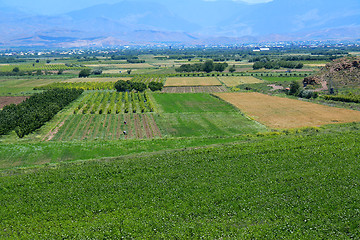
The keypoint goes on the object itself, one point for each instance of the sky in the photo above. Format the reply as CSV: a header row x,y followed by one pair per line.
x,y
50,7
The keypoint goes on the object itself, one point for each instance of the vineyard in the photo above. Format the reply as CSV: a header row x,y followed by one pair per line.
x,y
40,66
112,102
98,84
107,127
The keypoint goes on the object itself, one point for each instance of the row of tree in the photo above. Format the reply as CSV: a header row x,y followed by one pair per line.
x,y
207,66
277,65
34,112
128,86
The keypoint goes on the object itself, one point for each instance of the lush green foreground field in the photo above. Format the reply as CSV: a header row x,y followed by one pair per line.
x,y
297,186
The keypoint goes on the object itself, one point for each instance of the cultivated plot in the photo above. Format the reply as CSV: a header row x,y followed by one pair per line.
x,y
19,86
75,80
200,114
234,81
199,89
107,127
11,100
192,81
277,112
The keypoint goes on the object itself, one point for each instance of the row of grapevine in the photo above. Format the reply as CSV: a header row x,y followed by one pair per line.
x,y
149,78
79,85
115,103
42,67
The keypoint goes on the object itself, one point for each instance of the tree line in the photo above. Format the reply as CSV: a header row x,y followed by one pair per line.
x,y
128,86
35,111
207,66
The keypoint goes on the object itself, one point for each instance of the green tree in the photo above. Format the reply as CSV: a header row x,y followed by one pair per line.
x,y
232,69
208,66
16,69
294,88
84,73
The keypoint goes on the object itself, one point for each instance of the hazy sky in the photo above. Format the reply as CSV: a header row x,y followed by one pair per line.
x,y
63,6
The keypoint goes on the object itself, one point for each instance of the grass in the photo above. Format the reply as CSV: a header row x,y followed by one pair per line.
x,y
235,81
281,79
206,124
191,103
272,187
15,86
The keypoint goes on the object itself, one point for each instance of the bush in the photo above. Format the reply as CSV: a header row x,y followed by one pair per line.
x,y
156,86
84,73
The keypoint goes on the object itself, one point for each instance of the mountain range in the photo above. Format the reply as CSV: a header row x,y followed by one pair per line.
x,y
187,22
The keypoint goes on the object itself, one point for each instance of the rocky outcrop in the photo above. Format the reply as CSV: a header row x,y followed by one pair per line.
x,y
341,72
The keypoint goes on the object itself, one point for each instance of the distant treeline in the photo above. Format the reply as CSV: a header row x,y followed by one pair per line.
x,y
277,65
207,66
11,60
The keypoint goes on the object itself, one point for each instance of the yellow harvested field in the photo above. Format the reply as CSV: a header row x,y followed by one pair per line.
x,y
315,65
192,81
284,113
235,81
72,80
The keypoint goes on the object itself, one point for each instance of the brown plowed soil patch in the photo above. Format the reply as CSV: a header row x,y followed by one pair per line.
x,y
277,112
11,100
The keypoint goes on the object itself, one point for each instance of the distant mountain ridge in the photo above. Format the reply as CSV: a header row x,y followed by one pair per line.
x,y
188,21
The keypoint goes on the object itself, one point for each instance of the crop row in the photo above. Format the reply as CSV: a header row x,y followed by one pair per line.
x,y
42,67
115,103
108,127
79,85
149,78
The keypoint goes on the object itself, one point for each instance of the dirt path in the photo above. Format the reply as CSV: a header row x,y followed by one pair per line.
x,y
148,132
324,87
275,87
155,128
4,101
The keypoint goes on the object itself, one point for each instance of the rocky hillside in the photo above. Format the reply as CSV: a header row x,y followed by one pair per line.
x,y
342,72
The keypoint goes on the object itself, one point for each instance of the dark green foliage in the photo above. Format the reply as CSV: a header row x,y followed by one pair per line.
x,y
35,111
308,94
127,86
84,73
208,66
156,86
294,88
123,86
16,69
135,61
232,69
343,98
220,67
277,65
138,86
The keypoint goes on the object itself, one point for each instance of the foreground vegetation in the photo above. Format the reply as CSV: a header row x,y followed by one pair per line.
x,y
288,186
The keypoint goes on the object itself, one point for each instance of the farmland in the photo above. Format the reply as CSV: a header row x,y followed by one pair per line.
x,y
251,189
204,158
234,81
200,115
200,89
10,100
277,112
192,81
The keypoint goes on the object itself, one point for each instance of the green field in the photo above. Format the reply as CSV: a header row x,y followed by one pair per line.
x,y
191,103
200,114
276,187
281,79
18,86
